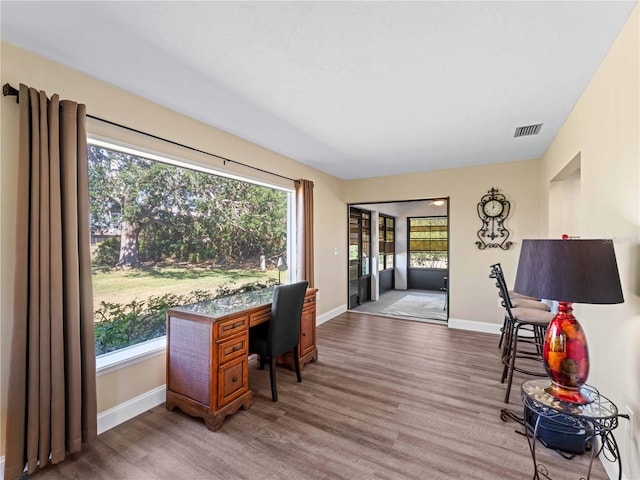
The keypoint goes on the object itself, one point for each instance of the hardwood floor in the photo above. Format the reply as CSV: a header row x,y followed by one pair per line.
x,y
387,399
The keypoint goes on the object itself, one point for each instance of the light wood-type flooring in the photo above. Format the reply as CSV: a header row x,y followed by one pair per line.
x,y
387,399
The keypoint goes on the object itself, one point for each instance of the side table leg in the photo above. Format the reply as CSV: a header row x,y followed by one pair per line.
x,y
610,445
593,452
616,453
506,414
538,469
532,445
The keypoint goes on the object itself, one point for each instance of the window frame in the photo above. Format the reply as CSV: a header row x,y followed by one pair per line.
x,y
126,356
386,247
410,251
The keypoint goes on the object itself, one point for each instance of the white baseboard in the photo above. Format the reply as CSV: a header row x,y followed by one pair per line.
x,y
131,408
325,317
2,468
482,327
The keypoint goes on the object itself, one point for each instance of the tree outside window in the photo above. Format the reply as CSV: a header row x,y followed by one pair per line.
x,y
164,235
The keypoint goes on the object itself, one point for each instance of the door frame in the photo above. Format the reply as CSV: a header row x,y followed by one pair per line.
x,y
362,292
371,204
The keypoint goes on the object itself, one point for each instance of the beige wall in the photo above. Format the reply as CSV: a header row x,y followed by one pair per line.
x,y
604,131
106,101
117,387
472,296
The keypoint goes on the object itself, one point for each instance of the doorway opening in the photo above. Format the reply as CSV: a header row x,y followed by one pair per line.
x,y
405,273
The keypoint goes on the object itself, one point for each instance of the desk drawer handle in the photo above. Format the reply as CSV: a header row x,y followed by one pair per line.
x,y
235,325
234,379
235,348
304,334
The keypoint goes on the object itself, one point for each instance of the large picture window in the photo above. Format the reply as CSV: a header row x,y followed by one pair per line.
x,y
165,235
428,242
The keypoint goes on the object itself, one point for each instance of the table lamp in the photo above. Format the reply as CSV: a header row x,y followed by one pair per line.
x,y
569,271
282,267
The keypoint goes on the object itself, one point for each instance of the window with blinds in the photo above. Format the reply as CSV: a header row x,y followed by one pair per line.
x,y
428,242
386,242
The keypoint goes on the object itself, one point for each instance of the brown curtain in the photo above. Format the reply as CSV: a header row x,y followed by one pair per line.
x,y
51,406
304,222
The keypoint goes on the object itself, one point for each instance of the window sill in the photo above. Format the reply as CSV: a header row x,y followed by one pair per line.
x,y
112,361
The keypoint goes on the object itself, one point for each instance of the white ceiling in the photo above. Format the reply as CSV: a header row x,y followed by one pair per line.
x,y
356,89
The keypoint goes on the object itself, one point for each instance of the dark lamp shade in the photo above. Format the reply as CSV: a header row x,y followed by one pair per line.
x,y
576,271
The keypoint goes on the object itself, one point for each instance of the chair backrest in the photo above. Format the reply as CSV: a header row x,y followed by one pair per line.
x,y
503,291
496,272
286,312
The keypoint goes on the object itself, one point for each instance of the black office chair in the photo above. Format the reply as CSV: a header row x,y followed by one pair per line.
x,y
281,333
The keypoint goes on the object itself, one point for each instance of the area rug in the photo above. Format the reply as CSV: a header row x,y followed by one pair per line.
x,y
420,306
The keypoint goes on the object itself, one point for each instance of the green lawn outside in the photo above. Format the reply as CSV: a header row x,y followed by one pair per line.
x,y
123,286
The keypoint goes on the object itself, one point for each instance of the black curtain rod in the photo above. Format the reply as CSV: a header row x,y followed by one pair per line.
x,y
8,90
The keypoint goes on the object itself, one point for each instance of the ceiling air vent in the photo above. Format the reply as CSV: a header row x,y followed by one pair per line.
x,y
528,130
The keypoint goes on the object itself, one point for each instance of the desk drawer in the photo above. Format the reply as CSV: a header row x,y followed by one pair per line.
x,y
233,380
232,326
261,316
232,348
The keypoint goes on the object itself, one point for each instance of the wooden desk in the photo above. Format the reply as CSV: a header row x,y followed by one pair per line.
x,y
207,352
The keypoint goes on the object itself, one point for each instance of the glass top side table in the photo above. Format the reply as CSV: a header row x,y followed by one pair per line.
x,y
598,419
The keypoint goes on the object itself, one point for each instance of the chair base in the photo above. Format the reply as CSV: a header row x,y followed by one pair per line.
x,y
272,369
511,352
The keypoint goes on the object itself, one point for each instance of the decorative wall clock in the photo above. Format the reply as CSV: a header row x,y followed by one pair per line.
x,y
493,210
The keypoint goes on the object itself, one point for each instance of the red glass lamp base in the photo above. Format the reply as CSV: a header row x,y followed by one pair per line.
x,y
570,395
566,356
